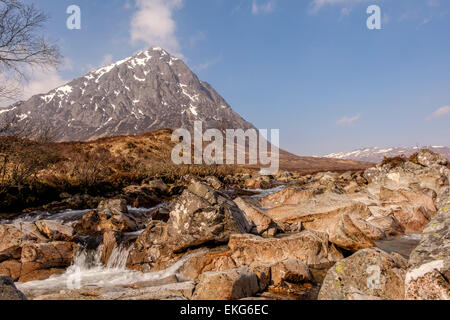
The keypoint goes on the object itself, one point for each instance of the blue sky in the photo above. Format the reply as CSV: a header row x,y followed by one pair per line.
x,y
310,68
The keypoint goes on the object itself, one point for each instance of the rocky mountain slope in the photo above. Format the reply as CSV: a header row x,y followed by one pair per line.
x,y
377,154
148,91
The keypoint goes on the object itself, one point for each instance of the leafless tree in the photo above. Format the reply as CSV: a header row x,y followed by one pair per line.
x,y
22,44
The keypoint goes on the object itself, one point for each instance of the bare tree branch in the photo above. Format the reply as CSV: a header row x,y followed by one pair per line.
x,y
21,44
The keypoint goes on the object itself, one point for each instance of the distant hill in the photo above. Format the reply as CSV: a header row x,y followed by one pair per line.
x,y
376,154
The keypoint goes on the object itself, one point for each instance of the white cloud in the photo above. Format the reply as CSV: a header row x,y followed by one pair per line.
x,y
439,113
316,5
107,60
37,81
266,7
206,65
42,81
347,121
153,24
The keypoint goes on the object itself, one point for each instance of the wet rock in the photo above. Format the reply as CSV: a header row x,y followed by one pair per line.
x,y
161,214
45,256
150,250
110,215
54,230
287,196
158,186
214,182
290,270
11,268
369,272
226,285
389,225
199,220
334,214
11,240
142,196
30,232
111,240
262,182
255,216
309,247
8,290
429,264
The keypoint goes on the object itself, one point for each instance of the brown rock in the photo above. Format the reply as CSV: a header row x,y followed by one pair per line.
x,y
310,247
369,272
54,230
11,240
42,256
287,196
291,270
11,268
110,215
110,241
255,216
226,285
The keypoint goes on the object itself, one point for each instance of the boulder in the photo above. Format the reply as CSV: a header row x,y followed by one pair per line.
x,y
334,214
310,247
255,216
11,268
214,182
389,225
429,158
110,215
11,239
158,186
110,241
55,231
8,290
195,221
367,273
150,251
140,196
45,256
290,270
287,196
232,284
429,264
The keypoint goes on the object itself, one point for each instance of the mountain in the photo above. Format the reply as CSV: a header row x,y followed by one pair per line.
x,y
148,91
377,154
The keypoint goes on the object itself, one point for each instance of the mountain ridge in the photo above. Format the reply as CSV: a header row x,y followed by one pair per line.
x,y
376,154
148,91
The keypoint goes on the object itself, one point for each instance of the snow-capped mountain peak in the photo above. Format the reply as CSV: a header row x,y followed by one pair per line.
x,y
148,91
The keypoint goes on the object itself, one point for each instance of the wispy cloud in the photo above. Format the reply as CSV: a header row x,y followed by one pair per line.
x,y
153,24
316,5
347,121
259,7
439,113
208,64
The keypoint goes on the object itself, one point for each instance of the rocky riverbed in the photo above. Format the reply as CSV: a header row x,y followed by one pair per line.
x,y
378,234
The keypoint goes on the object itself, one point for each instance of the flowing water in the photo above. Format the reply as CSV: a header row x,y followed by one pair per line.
x,y
87,272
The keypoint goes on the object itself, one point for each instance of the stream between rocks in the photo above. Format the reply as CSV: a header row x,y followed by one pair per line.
x,y
88,276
